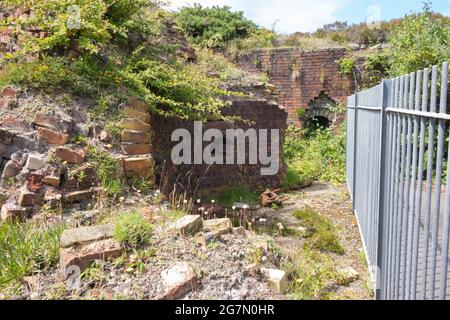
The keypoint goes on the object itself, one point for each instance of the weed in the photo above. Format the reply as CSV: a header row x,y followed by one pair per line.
x,y
27,248
238,193
311,275
132,229
106,167
321,233
94,273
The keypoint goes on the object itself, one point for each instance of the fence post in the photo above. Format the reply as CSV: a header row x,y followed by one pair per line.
x,y
355,146
379,292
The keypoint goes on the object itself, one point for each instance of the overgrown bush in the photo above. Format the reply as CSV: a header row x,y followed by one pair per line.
x,y
318,155
111,65
420,41
132,229
26,248
213,27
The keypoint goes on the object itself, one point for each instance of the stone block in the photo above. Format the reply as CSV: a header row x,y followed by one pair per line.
x,y
179,280
70,155
76,236
277,279
12,168
35,162
189,225
218,226
29,199
138,105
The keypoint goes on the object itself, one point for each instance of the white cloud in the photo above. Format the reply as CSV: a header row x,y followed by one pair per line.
x,y
289,15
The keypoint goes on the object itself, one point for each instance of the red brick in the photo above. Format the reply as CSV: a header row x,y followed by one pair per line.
x,y
52,137
70,155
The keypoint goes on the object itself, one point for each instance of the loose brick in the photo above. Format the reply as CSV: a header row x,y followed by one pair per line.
x,y
218,226
52,137
179,280
51,122
52,181
28,199
78,196
189,225
84,235
82,257
70,155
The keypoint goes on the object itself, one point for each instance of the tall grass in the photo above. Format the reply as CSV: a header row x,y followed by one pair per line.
x,y
27,248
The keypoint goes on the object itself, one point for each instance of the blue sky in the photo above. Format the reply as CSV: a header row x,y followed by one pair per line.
x,y
307,15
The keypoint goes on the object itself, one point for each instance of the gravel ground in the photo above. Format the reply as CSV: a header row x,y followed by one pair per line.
x,y
223,266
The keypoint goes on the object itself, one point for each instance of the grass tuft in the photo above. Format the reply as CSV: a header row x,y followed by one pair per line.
x,y
321,232
132,229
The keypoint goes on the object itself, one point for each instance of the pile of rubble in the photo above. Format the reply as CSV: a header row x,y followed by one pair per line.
x,y
41,164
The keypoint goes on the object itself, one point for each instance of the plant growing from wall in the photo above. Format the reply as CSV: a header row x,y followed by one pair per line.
x,y
346,66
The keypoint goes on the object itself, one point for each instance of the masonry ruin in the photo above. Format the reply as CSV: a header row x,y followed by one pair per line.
x,y
305,80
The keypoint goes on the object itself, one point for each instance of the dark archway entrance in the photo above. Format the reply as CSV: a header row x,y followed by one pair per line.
x,y
319,113
316,123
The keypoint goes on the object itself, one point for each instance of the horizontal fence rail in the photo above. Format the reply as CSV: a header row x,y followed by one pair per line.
x,y
398,157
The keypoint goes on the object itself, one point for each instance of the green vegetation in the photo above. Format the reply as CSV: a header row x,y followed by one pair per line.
x,y
311,275
311,156
26,248
321,233
238,193
132,229
346,66
106,168
420,41
109,65
213,27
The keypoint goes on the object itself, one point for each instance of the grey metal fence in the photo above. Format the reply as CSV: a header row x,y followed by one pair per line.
x,y
398,157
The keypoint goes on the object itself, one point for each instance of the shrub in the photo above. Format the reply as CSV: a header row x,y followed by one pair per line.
x,y
321,233
317,155
346,66
420,41
132,229
213,27
26,248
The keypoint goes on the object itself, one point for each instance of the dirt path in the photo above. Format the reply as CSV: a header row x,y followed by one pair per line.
x,y
335,204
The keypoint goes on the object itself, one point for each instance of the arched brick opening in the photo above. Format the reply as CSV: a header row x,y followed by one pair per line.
x,y
320,111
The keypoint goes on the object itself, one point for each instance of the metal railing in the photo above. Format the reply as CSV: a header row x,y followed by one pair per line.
x,y
397,159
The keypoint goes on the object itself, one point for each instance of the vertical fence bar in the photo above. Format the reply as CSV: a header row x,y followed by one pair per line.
x,y
419,190
394,169
355,151
381,176
398,198
437,199
406,210
446,228
403,217
414,187
427,223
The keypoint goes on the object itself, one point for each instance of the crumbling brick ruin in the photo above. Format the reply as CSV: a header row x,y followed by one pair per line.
x,y
308,80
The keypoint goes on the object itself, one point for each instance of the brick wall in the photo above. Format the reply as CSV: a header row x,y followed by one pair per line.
x,y
300,76
216,176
